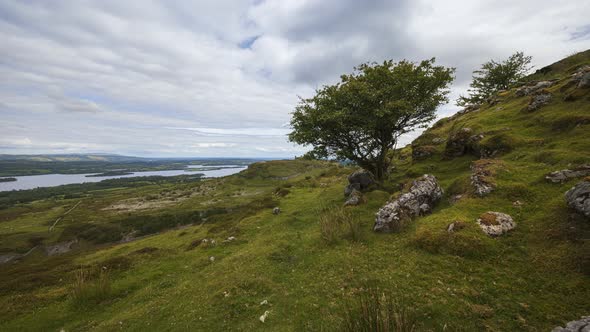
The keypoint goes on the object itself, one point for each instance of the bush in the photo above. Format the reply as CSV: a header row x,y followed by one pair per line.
x,y
378,311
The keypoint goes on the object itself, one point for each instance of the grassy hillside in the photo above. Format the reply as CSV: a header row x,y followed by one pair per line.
x,y
309,265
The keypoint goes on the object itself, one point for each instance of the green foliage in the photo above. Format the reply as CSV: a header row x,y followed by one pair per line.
x,y
496,76
362,117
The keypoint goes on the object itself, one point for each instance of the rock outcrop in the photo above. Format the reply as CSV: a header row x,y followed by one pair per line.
x,y
424,193
533,87
423,151
581,325
60,248
566,174
481,173
359,180
495,223
538,100
578,198
462,142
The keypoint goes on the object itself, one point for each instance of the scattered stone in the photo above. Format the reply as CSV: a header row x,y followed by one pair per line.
x,y
230,239
421,198
212,259
538,100
264,302
495,223
60,248
581,325
462,142
532,88
578,198
517,204
276,210
423,151
437,140
355,198
455,198
264,316
481,176
360,180
455,226
566,174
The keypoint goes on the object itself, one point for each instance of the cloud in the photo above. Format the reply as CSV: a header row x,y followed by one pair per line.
x,y
182,78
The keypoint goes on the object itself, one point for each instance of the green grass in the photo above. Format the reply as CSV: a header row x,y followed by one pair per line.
x,y
316,256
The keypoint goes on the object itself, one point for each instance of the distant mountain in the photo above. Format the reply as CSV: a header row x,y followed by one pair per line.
x,y
72,157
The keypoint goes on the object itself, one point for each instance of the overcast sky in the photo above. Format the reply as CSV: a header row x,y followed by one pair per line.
x,y
220,78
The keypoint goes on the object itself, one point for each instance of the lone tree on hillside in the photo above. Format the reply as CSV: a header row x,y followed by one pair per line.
x,y
496,76
362,117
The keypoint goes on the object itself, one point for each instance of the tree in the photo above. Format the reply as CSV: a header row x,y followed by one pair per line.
x,y
361,117
496,76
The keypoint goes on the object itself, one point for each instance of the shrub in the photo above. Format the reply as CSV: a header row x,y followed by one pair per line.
x,y
378,311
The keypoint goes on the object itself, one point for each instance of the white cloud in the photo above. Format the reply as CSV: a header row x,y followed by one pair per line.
x,y
188,78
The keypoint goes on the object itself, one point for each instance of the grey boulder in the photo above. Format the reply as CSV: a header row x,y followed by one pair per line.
x,y
578,198
424,193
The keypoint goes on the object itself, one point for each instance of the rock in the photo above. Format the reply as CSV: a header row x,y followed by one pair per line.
x,y
481,173
276,210
455,198
566,174
421,152
533,87
578,198
60,248
355,198
495,223
212,259
584,82
437,140
455,226
538,100
581,325
264,302
264,316
462,142
419,200
359,180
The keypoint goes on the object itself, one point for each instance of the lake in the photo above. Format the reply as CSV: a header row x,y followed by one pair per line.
x,y
53,180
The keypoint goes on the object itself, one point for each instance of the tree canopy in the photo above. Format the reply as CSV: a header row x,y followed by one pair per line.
x,y
496,76
361,117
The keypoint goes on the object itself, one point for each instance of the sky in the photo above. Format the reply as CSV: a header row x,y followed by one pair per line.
x,y
220,78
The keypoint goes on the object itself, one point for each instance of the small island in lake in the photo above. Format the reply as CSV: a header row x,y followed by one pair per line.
x,y
7,179
109,173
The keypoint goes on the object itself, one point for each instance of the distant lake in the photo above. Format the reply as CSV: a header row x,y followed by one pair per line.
x,y
53,180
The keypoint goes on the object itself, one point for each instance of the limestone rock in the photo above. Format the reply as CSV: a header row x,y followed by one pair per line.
x,y
495,223
359,180
578,198
584,82
532,88
581,325
437,140
538,100
421,152
355,198
424,193
566,174
462,142
481,173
